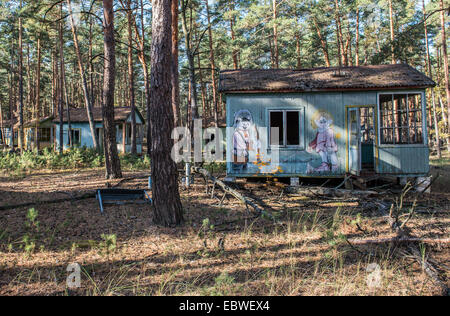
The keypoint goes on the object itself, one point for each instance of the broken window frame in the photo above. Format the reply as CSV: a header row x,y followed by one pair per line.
x,y
418,125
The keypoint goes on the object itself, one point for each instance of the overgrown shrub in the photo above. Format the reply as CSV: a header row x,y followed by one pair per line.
x,y
75,158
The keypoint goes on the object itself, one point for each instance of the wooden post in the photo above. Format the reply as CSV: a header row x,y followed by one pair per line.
x,y
124,134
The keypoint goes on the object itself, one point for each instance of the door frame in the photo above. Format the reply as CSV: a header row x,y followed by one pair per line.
x,y
347,140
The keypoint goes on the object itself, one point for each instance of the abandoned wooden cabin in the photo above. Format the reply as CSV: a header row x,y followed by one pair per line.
x,y
45,133
81,132
5,132
327,122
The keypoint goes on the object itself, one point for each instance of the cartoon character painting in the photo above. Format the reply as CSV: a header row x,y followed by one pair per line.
x,y
245,139
324,143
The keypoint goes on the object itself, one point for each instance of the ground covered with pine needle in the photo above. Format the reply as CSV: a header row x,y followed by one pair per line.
x,y
302,248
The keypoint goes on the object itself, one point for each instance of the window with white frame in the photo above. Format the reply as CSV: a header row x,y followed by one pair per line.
x,y
290,128
401,118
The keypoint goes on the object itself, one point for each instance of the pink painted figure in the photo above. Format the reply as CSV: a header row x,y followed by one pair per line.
x,y
325,143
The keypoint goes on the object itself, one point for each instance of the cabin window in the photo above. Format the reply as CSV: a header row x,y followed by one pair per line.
x,y
288,124
401,120
76,137
44,135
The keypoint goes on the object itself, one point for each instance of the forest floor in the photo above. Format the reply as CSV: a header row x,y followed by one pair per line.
x,y
221,250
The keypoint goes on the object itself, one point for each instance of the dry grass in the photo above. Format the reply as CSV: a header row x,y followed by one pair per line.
x,y
304,254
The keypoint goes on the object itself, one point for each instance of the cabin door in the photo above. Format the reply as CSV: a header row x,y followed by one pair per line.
x,y
360,140
354,141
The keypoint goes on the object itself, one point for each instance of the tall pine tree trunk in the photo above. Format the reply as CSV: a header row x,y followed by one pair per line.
x,y
38,94
213,66
323,42
340,39
430,73
21,131
357,38
235,52
174,69
113,170
446,72
298,50
11,97
87,99
166,197
61,88
391,27
131,79
191,64
275,34
142,58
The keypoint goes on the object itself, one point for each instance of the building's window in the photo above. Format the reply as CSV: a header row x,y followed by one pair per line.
x,y
277,121
401,118
367,125
293,128
288,123
44,135
76,137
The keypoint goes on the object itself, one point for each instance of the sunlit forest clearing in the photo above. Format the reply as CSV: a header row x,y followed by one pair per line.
x,y
303,253
90,94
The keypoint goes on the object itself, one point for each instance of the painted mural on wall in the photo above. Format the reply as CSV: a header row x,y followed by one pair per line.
x,y
324,143
245,140
248,156
251,155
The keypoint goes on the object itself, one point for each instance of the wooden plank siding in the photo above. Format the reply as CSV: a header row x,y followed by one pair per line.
x,y
389,159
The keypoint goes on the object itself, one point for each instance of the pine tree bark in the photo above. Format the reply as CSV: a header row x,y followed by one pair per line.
x,y
113,170
166,197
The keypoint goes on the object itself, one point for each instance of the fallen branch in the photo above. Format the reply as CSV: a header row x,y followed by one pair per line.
x,y
79,198
329,192
427,266
246,201
361,242
129,179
